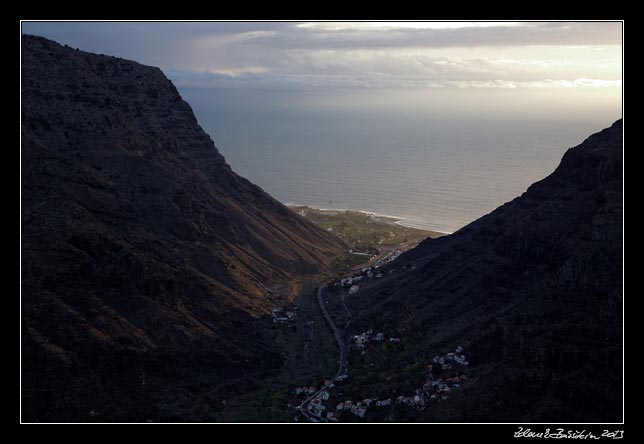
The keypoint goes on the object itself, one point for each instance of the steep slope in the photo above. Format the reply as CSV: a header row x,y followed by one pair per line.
x,y
532,291
145,258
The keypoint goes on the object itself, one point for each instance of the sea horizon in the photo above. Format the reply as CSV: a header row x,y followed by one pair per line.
x,y
432,170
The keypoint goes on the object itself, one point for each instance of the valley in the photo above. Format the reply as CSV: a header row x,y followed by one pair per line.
x,y
158,285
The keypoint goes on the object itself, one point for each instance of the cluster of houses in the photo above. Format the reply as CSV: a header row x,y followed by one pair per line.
x,y
371,272
446,361
352,281
360,340
390,258
418,400
316,406
443,375
360,408
282,315
439,388
394,256
435,388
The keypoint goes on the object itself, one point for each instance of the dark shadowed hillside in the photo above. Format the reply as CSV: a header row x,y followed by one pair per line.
x,y
145,258
531,291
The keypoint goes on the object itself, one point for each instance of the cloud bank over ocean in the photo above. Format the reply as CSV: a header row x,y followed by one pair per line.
x,y
360,54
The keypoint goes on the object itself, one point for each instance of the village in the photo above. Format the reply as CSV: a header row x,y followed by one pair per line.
x,y
443,375
317,405
360,340
351,284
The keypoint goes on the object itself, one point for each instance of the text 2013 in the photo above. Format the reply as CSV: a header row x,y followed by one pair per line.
x,y
571,434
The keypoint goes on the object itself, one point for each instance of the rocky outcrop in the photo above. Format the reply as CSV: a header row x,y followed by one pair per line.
x,y
145,258
532,290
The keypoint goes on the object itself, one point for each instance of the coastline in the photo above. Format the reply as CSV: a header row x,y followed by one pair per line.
x,y
397,220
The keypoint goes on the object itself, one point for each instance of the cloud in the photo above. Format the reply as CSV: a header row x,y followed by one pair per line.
x,y
349,54
522,34
581,82
334,26
262,80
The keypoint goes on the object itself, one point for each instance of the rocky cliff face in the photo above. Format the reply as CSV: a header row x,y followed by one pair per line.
x,y
144,256
532,291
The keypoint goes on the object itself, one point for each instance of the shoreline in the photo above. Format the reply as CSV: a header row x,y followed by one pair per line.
x,y
397,220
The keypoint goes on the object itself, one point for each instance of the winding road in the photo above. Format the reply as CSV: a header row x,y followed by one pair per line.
x,y
339,337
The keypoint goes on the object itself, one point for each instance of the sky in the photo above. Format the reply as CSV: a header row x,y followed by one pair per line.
x,y
366,54
440,112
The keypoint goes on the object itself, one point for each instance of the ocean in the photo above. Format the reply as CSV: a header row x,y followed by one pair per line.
x,y
431,169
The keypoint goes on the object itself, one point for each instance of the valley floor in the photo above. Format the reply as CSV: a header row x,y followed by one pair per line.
x,y
318,321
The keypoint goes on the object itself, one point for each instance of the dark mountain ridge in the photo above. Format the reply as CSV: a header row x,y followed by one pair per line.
x,y
145,258
532,291
145,261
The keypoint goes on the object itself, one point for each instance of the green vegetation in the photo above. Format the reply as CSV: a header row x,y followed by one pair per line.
x,y
310,356
268,404
342,265
308,345
365,233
